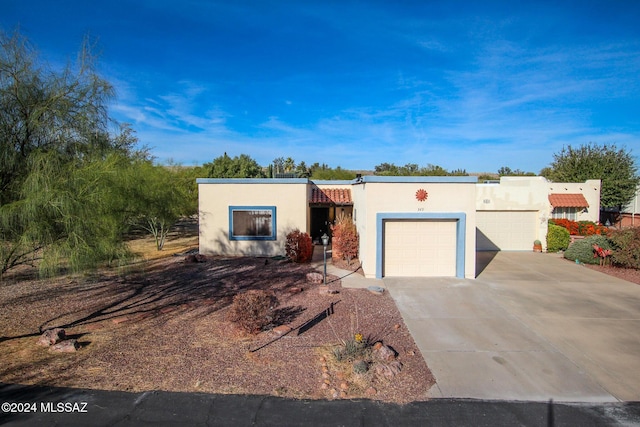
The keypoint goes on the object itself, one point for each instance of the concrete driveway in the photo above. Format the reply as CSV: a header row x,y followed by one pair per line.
x,y
531,327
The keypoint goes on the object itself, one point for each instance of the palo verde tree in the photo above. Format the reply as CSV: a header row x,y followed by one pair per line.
x,y
46,110
163,195
615,167
63,201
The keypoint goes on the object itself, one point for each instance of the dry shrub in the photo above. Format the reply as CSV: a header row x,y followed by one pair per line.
x,y
252,310
299,247
344,242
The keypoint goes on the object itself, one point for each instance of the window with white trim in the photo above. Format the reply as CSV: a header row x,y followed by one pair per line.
x,y
565,213
252,222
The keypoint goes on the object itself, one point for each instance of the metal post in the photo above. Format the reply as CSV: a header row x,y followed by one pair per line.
x,y
325,242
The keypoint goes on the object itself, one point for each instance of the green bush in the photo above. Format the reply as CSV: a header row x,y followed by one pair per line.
x,y
557,238
582,250
626,247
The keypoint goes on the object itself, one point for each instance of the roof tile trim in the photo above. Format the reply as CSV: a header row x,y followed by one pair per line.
x,y
558,200
336,196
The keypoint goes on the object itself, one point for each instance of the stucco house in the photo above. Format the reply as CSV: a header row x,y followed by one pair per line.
x,y
408,226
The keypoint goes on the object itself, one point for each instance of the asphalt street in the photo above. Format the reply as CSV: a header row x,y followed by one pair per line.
x,y
54,406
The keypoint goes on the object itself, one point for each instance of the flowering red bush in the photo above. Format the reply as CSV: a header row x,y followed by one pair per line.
x,y
299,247
581,228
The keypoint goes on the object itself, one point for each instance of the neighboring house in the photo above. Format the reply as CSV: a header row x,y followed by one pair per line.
x,y
408,226
630,215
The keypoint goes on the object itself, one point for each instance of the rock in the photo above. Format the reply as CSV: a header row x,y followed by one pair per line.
x,y
343,394
377,345
371,391
376,290
66,346
344,385
388,370
326,290
295,290
51,337
315,277
281,330
384,353
195,258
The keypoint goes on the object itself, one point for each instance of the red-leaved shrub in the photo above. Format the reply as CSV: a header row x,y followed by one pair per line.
x,y
299,247
344,240
252,310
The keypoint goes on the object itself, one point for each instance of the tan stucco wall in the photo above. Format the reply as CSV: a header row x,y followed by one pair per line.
x,y
532,194
590,189
215,197
400,197
517,194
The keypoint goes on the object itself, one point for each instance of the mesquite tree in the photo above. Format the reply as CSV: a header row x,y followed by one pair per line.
x,y
615,167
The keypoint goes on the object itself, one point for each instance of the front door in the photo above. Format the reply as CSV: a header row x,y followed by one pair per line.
x,y
319,223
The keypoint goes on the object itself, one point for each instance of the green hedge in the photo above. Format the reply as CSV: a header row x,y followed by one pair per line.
x,y
557,238
582,250
626,245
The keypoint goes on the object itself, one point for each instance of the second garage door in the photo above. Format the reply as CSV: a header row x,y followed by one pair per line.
x,y
505,230
419,248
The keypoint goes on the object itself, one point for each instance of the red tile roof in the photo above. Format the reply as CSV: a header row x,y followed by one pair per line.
x,y
568,201
334,196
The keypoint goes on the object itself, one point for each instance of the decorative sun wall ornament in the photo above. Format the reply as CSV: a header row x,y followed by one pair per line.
x,y
421,195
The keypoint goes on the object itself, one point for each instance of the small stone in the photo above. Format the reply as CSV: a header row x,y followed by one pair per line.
x,y
396,326
326,375
323,359
295,290
344,385
411,353
120,319
324,386
371,391
327,382
376,290
52,336
377,345
314,277
66,346
343,394
334,393
281,330
325,369
340,376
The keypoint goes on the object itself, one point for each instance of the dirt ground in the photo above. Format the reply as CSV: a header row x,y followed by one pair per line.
x,y
161,325
628,274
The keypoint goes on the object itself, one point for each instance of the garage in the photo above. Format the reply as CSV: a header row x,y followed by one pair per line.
x,y
505,230
419,247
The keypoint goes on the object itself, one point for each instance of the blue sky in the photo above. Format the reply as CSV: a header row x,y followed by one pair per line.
x,y
459,84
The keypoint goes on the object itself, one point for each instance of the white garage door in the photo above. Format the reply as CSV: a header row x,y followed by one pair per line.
x,y
505,230
419,248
